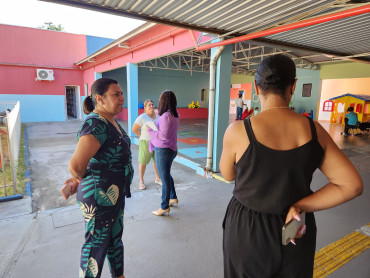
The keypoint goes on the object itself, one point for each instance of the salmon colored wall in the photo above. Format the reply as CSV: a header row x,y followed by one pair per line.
x,y
21,80
89,78
234,92
336,87
40,47
29,49
247,87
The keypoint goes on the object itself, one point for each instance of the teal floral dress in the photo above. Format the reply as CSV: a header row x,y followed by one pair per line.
x,y
101,197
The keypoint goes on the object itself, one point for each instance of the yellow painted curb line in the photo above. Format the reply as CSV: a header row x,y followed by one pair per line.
x,y
335,255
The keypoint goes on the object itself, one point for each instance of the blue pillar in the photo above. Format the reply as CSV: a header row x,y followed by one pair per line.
x,y
132,95
222,102
98,75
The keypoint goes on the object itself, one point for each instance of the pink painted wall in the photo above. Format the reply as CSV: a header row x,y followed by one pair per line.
x,y
157,41
27,49
21,80
41,47
89,78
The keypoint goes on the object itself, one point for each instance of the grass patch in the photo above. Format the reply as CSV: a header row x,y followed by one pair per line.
x,y
21,167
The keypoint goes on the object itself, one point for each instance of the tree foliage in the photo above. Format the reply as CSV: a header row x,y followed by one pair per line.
x,y
51,26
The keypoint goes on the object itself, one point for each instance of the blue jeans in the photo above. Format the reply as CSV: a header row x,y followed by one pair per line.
x,y
239,112
163,159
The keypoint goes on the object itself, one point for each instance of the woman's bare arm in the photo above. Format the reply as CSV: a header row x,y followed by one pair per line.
x,y
136,129
344,183
86,148
228,156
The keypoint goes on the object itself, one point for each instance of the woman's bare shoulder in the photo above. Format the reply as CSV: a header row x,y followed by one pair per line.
x,y
235,128
236,133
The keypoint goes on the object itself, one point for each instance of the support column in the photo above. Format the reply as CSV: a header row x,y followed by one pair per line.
x,y
132,95
222,102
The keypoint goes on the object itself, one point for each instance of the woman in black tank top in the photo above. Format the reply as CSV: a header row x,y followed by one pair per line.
x,y
272,165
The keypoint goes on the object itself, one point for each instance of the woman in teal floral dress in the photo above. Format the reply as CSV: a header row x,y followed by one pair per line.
x,y
102,164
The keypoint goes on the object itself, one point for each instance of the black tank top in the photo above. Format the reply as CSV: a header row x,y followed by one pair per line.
x,y
270,181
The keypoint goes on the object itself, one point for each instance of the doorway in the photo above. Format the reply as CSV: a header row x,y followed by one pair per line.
x,y
73,103
204,98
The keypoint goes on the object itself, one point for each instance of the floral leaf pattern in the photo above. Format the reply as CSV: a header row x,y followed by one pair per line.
x,y
108,198
101,196
92,268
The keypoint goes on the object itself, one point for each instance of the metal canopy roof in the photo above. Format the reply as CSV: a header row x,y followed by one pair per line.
x,y
347,38
245,59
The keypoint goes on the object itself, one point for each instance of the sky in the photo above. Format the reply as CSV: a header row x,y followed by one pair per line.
x,y
33,13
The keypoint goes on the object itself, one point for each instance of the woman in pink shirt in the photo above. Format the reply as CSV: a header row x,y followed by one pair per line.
x,y
164,143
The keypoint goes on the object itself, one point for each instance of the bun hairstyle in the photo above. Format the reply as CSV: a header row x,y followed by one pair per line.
x,y
275,74
167,102
99,87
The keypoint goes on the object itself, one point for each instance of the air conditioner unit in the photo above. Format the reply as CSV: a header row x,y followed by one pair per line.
x,y
45,74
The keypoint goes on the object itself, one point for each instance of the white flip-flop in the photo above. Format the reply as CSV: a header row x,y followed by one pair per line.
x,y
142,186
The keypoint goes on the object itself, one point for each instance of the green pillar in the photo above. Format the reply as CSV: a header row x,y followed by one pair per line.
x,y
222,102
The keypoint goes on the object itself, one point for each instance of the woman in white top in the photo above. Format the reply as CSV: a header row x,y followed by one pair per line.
x,y
140,128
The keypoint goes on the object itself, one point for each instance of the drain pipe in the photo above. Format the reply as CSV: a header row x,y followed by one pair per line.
x,y
211,107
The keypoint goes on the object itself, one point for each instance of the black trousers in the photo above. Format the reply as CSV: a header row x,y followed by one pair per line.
x,y
252,245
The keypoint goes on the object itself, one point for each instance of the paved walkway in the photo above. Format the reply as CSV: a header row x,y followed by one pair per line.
x,y
42,236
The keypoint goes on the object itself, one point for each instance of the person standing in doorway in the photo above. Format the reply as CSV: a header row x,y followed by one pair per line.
x,y
102,172
164,142
273,162
239,107
140,128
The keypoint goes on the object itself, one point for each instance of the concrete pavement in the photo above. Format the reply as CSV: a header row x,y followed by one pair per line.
x,y
42,236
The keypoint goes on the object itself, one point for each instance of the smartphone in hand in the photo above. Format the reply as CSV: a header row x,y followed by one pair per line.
x,y
66,190
291,228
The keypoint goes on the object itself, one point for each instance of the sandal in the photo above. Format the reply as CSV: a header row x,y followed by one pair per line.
x,y
158,182
142,186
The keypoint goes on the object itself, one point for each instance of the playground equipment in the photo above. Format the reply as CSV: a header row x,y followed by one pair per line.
x,y
310,114
339,105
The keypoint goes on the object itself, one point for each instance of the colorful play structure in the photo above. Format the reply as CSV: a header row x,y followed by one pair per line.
x,y
339,105
309,114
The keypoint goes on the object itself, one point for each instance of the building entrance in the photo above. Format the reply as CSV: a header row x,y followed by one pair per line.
x,y
72,103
